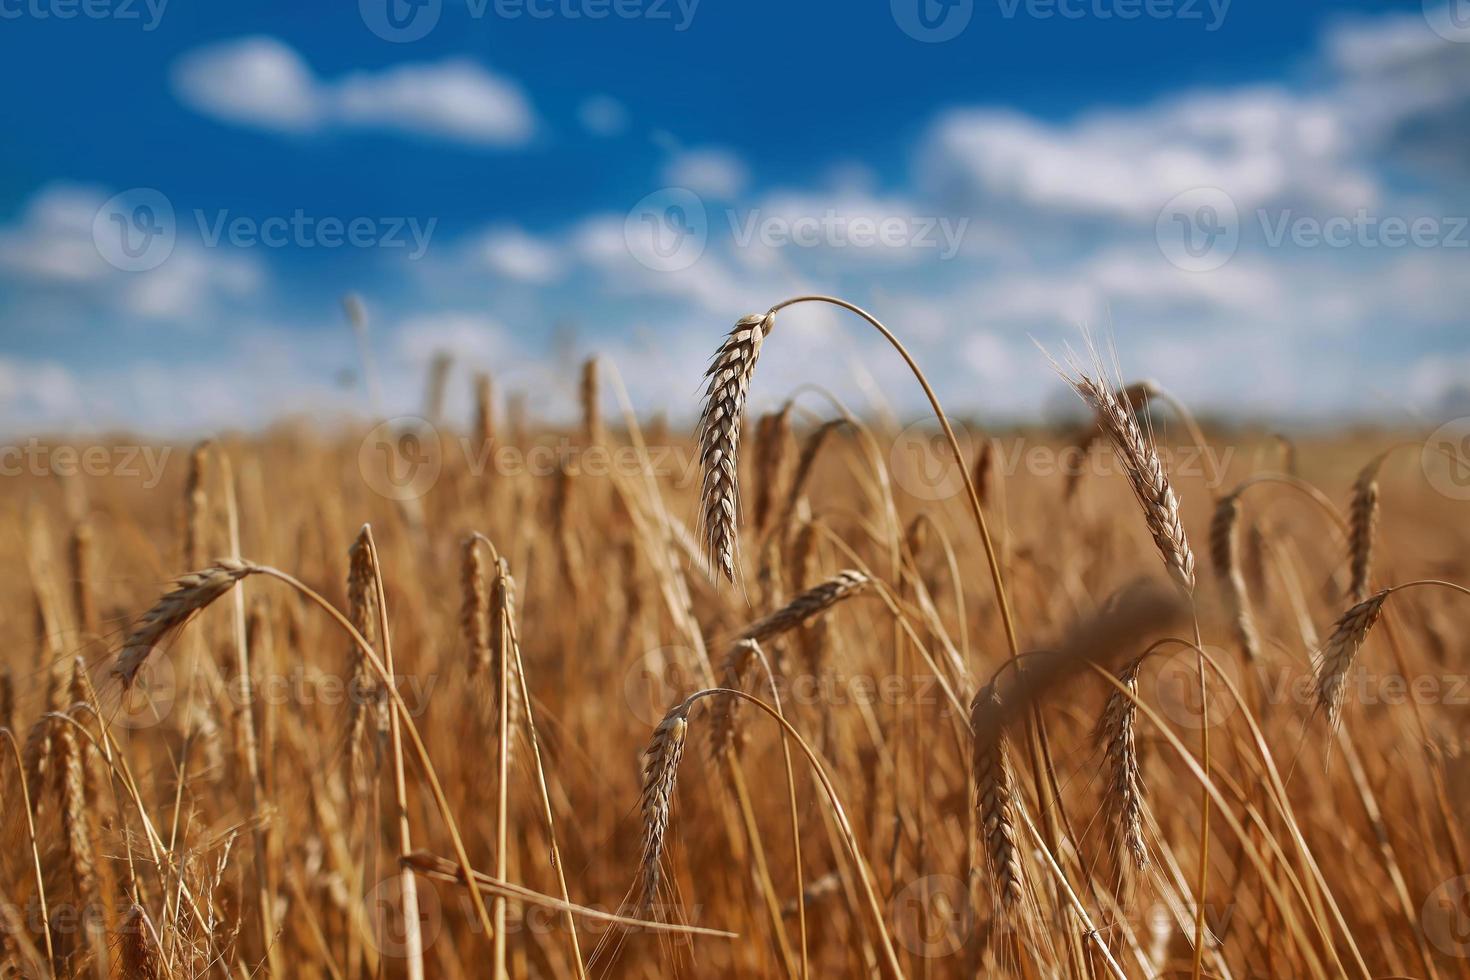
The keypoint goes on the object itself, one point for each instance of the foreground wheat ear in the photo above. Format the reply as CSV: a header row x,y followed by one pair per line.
x,y
190,594
719,438
1342,647
1145,474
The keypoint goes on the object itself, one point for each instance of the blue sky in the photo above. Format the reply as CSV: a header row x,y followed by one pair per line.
x,y
530,182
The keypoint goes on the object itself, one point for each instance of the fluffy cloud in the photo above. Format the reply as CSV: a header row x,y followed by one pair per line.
x,y
52,247
262,82
511,252
708,172
1259,145
603,115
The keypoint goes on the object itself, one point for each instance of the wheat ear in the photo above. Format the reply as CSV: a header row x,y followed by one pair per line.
x,y
1363,526
139,953
1145,475
1123,786
813,601
1341,649
719,438
367,706
995,792
660,774
474,610
190,594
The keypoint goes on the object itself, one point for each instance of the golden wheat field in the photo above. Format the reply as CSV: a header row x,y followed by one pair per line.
x,y
800,694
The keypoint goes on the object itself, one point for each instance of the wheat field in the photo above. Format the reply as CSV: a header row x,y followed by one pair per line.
x,y
799,694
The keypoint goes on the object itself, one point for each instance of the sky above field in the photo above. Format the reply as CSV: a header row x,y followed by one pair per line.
x,y
1260,204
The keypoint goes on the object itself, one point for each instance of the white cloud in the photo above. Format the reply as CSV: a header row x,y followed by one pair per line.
x,y
472,337
52,246
710,172
52,242
1256,144
511,252
454,99
43,390
260,81
603,115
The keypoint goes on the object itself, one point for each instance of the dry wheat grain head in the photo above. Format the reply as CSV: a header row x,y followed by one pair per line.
x,y
1341,649
1145,474
190,594
818,599
660,775
719,439
1363,526
995,796
1123,786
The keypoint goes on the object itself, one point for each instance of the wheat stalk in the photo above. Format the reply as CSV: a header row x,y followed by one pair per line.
x,y
772,461
503,646
723,732
719,439
592,430
196,506
1225,556
484,411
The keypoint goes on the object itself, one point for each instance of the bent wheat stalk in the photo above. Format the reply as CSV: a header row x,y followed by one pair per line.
x,y
195,591
660,774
